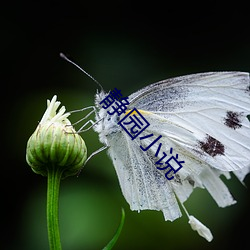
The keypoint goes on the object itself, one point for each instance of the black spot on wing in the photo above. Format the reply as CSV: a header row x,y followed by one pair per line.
x,y
190,181
212,146
178,179
233,119
248,117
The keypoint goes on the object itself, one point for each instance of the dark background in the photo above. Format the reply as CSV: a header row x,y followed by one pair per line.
x,y
123,44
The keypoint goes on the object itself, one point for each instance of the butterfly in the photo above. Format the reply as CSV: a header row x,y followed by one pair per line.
x,y
201,116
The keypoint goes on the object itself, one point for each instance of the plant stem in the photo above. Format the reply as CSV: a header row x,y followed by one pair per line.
x,y
54,177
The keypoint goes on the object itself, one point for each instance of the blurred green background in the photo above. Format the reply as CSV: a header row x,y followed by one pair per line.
x,y
122,45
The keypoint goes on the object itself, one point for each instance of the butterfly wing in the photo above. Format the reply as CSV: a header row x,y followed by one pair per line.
x,y
143,186
202,117
213,107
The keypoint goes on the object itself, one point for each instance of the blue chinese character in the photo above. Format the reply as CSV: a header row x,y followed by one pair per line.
x,y
116,94
111,97
159,161
151,144
120,107
158,149
107,101
170,173
135,122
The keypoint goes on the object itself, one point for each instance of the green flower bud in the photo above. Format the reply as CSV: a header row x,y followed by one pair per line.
x,y
55,144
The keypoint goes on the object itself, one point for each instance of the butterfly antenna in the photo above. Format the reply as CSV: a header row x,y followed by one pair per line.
x,y
90,76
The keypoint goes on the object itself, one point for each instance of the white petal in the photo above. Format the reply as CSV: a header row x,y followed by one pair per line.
x,y
48,113
51,114
200,228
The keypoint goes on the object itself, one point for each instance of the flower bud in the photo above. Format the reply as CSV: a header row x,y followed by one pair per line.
x,y
55,144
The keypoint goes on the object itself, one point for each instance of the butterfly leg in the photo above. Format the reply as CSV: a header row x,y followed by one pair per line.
x,y
92,154
81,129
86,116
95,152
83,109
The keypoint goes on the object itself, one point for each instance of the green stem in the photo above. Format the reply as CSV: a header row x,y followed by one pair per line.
x,y
54,177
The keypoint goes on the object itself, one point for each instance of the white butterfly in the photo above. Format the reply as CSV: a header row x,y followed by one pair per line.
x,y
203,118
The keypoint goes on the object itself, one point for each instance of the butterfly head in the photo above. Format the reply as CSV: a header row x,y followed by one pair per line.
x,y
106,123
